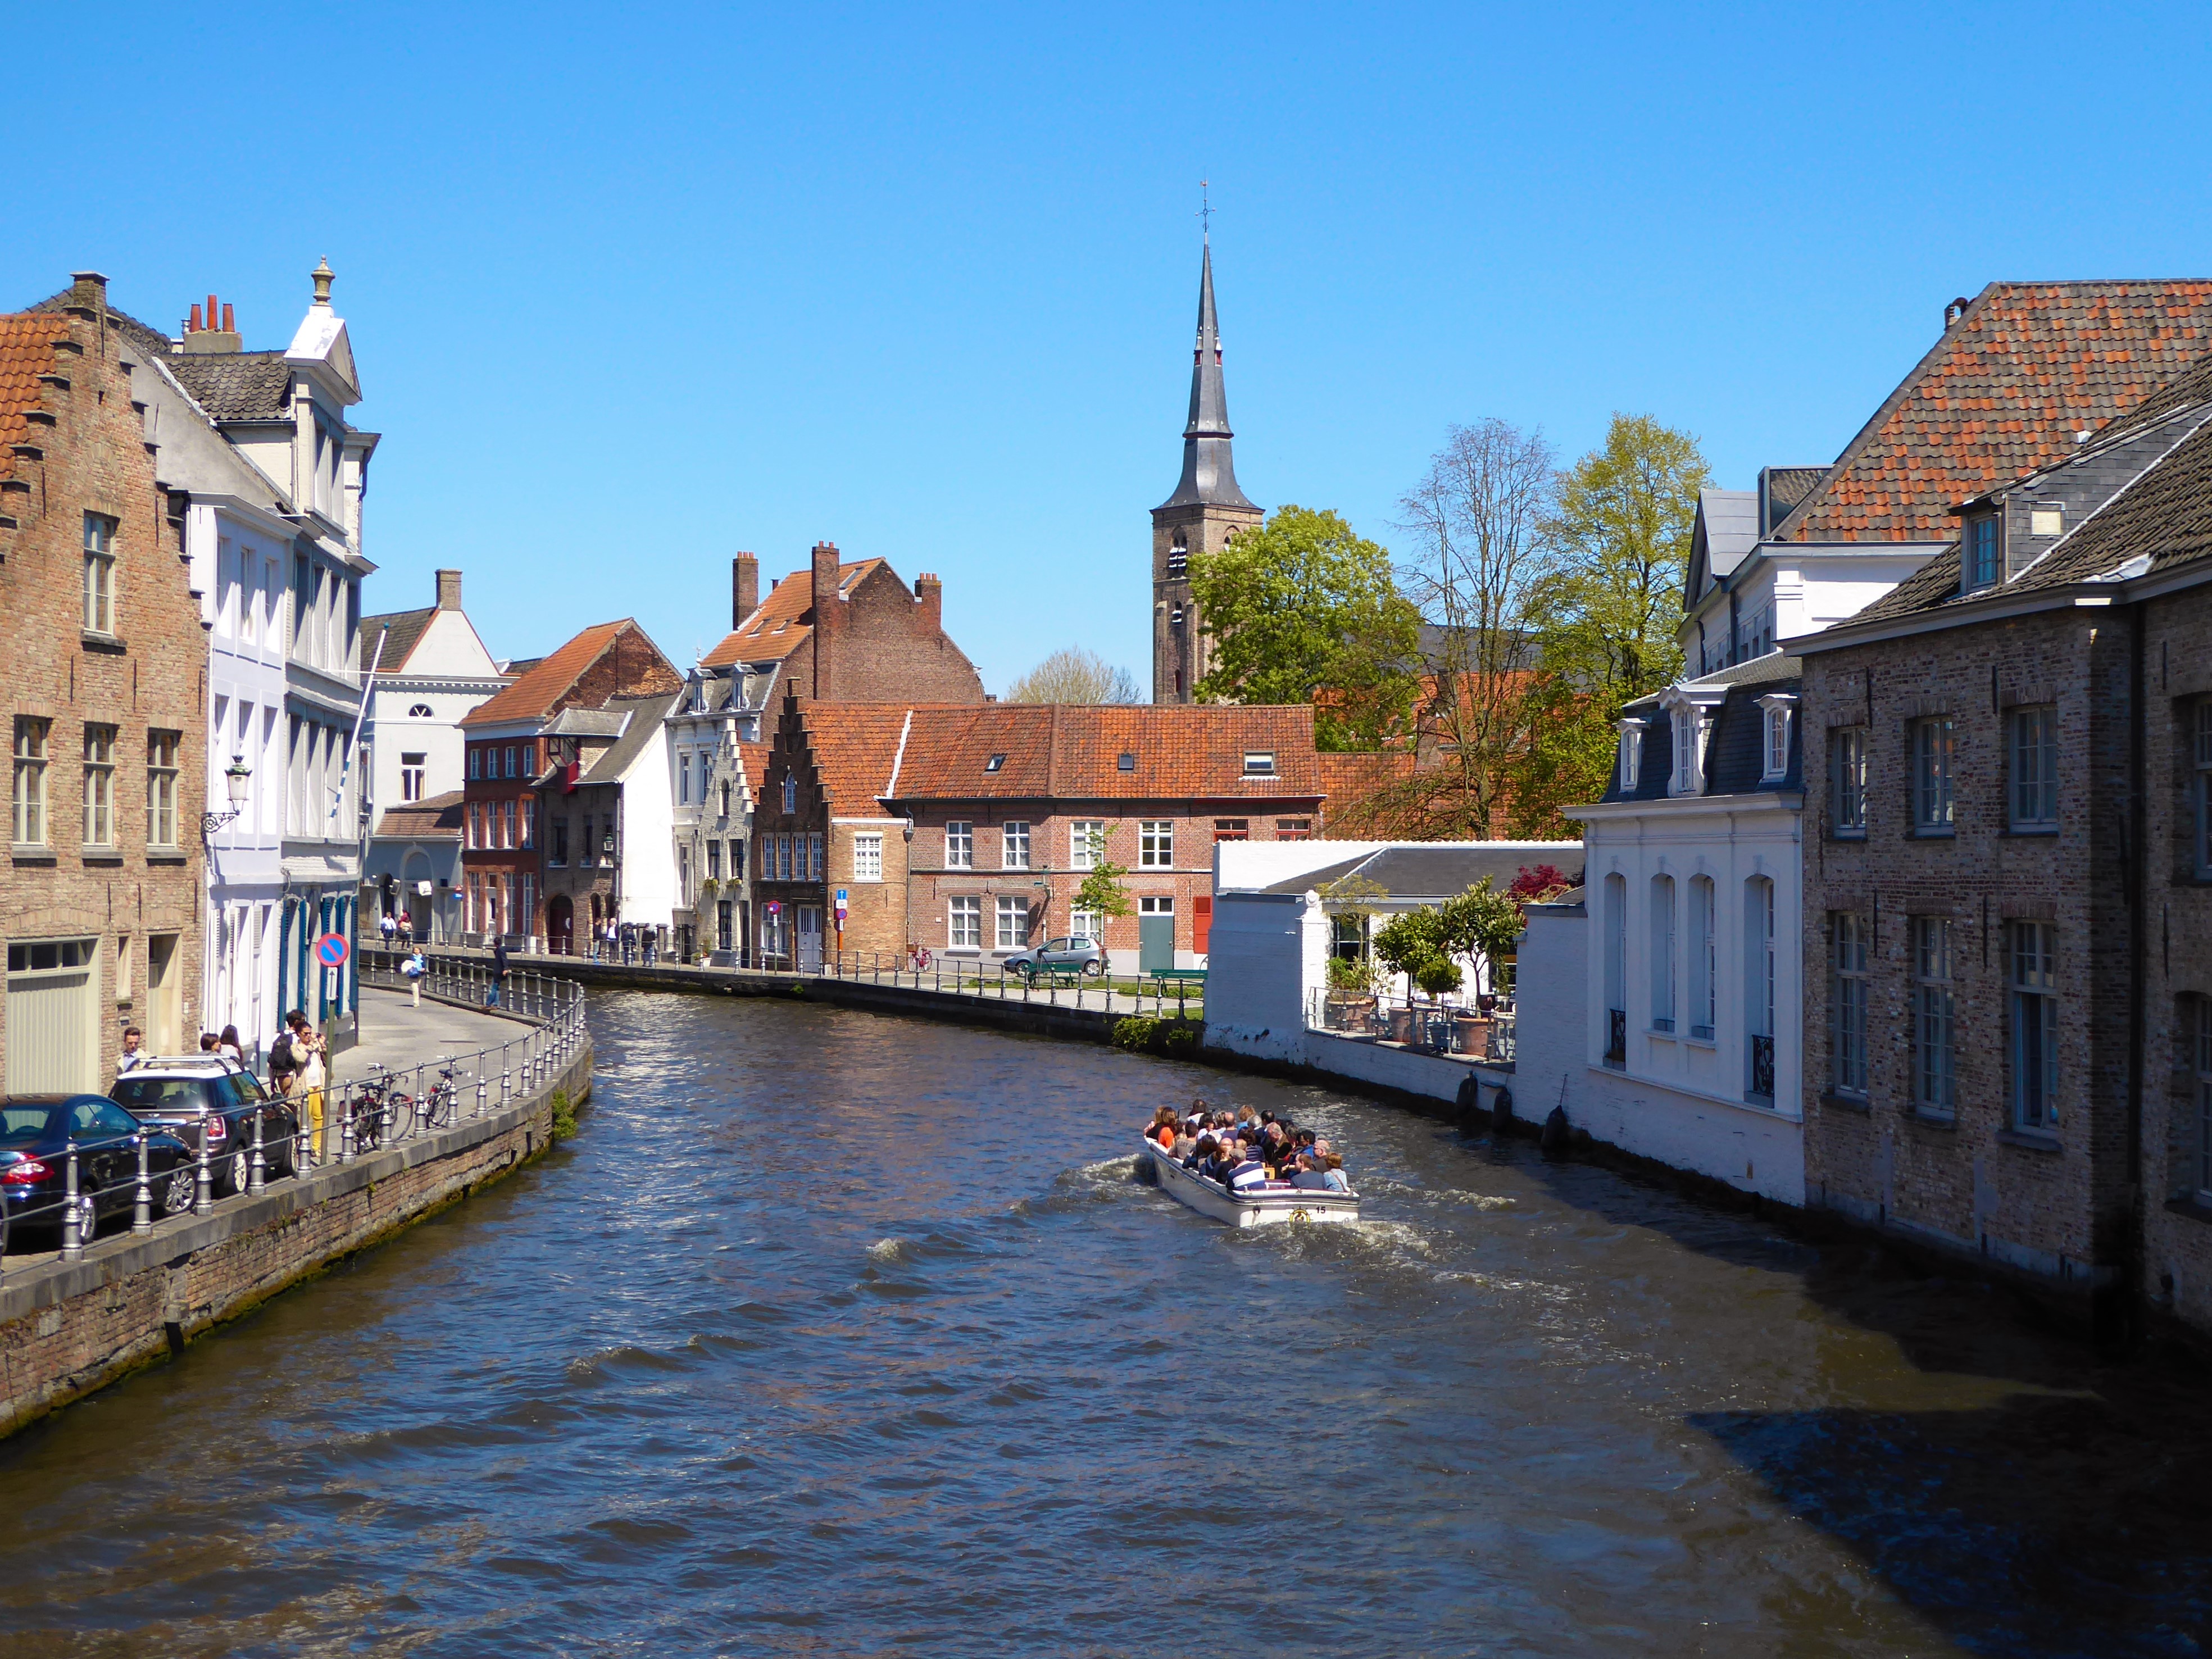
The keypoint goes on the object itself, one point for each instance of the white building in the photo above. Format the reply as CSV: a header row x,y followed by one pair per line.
x,y
716,764
268,477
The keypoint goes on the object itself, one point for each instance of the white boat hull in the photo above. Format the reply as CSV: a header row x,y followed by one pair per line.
x,y
1271,1209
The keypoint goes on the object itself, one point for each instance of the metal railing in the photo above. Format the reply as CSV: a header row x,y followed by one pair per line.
x,y
1435,1028
349,1120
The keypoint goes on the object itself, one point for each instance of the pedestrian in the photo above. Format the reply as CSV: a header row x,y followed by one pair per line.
x,y
652,940
227,1046
416,968
628,942
283,1064
388,928
134,1053
498,972
309,1084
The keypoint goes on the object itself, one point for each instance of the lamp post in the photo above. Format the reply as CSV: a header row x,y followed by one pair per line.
x,y
235,777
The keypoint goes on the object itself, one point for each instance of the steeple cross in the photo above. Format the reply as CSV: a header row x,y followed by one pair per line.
x,y
1204,212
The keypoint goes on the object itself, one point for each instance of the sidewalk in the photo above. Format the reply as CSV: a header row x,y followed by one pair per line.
x,y
400,1038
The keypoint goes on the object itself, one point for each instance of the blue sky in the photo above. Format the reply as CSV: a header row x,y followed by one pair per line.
x,y
634,288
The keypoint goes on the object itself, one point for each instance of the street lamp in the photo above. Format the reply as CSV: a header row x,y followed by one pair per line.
x,y
236,777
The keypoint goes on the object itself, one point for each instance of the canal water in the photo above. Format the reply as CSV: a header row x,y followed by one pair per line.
x,y
835,1334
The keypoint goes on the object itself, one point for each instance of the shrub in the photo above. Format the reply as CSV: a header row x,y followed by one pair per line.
x,y
564,1116
1177,1039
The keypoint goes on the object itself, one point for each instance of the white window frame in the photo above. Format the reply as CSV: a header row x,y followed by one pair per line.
x,y
1704,958
683,780
790,793
100,595
99,827
1086,843
1776,708
868,855
1087,924
414,766
1629,761
1661,945
1259,762
2032,1001
1011,919
817,866
34,755
2032,767
964,922
1847,747
162,749
1156,844
1014,845
960,844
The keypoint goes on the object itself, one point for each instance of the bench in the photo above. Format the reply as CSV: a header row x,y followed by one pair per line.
x,y
1179,975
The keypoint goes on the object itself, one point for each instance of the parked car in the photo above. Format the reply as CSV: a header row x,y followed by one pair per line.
x,y
1075,954
192,1094
36,1134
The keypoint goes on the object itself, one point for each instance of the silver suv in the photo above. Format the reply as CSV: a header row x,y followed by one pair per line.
x,y
1074,955
193,1095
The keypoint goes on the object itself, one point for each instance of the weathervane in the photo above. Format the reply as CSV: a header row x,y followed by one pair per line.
x,y
1205,213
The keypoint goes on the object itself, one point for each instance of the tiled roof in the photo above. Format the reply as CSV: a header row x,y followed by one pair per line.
x,y
2002,393
774,630
150,341
1353,784
436,819
547,681
237,385
405,627
755,757
852,745
1061,752
27,351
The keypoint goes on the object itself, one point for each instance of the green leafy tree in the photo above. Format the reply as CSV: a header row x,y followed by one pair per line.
x,y
1426,945
1301,610
1102,892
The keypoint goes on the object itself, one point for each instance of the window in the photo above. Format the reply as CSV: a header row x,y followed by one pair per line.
x,y
476,764
1931,775
959,846
2201,787
1232,829
2034,792
684,780
510,760
815,866
1293,829
1616,970
1086,844
714,860
476,824
100,786
1704,959
1934,1089
420,711
2198,1065
529,824
1663,953
99,574
474,921
790,793
1013,921
1178,562
411,775
965,923
557,854
1758,988
2034,998
1159,904
1014,847
1632,752
1259,762
1847,752
1156,844
995,763
783,846
1981,551
737,861
589,851
1689,752
161,788
1847,1005
508,825
1125,762
1775,731
725,788
30,781
868,856
1086,924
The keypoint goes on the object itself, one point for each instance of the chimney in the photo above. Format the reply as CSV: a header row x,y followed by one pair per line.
x,y
744,587
1955,310
203,339
87,295
826,618
449,590
929,594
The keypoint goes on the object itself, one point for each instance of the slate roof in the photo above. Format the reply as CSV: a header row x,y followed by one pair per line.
x,y
146,338
644,716
236,386
1439,870
437,817
2002,393
1072,751
1735,747
534,693
775,628
406,628
1786,486
27,351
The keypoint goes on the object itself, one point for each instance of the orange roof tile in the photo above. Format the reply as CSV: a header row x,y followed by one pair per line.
x,y
2002,393
27,351
755,758
853,746
1073,752
535,693
774,630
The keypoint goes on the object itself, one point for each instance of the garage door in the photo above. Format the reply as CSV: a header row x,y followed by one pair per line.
x,y
52,1033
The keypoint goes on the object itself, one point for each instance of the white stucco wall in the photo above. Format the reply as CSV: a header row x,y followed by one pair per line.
x,y
648,809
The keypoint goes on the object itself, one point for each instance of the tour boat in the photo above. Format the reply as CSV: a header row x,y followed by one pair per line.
x,y
1265,1209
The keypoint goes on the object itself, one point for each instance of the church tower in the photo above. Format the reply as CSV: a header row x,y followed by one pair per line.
x,y
1206,510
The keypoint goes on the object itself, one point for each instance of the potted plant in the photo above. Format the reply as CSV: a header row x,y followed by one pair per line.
x,y
1351,994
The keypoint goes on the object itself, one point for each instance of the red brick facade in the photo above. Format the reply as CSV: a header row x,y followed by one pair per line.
x,y
106,705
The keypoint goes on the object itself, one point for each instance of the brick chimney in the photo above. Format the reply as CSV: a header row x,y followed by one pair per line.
x,y
744,587
449,590
827,617
929,594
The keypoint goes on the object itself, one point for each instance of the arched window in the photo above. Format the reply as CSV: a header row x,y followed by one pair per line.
x,y
1759,989
420,711
1616,970
1663,953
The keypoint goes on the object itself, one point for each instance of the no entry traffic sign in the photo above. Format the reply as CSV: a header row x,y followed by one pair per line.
x,y
331,950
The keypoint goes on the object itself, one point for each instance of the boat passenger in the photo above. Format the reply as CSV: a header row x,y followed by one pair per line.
x,y
1333,1173
1248,1174
1310,1178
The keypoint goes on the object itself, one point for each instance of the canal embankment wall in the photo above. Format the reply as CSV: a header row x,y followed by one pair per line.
x,y
67,1327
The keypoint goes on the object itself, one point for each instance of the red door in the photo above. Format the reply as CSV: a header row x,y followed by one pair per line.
x,y
1202,922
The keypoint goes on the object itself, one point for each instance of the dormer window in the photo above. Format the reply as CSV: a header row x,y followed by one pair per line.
x,y
1692,723
1979,551
1632,753
997,762
1777,708
1260,763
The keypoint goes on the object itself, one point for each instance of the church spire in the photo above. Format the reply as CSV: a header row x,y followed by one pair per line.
x,y
1209,475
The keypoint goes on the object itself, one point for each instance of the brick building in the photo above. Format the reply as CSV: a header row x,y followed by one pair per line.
x,y
2009,811
508,748
105,678
968,830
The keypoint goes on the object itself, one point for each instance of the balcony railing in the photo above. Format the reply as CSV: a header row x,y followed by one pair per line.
x,y
1430,1027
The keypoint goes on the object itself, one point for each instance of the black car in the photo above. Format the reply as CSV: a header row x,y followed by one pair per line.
x,y
200,1094
36,1134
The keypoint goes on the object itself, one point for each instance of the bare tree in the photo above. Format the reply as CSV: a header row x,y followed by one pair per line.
x,y
1479,520
1074,675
